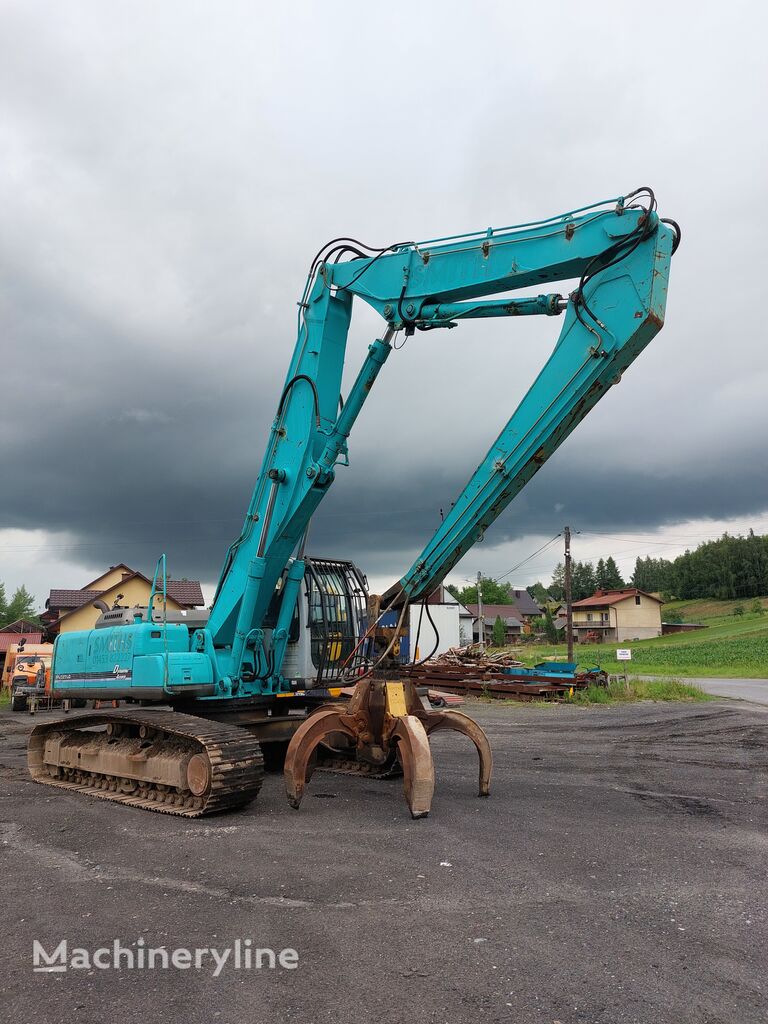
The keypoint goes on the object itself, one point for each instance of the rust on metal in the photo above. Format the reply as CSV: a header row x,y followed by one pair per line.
x,y
298,767
468,727
382,717
418,767
156,760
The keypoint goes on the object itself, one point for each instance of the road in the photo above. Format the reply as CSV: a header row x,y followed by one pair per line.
x,y
616,875
755,690
744,689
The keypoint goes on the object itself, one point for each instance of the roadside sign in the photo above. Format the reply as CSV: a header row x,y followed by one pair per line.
x,y
623,654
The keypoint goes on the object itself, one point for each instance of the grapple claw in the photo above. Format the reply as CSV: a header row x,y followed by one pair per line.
x,y
418,767
298,767
381,717
459,722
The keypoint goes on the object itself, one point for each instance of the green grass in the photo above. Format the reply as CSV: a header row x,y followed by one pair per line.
x,y
640,689
705,608
5,697
731,646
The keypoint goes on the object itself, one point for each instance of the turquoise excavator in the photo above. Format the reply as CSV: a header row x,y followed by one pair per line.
x,y
287,664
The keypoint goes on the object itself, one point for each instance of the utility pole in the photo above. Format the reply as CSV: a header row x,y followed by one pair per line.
x,y
568,604
480,616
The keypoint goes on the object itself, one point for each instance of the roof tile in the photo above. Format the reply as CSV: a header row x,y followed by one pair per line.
x,y
507,612
188,593
524,603
606,597
71,598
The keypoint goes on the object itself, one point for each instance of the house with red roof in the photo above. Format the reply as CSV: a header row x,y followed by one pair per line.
x,y
617,616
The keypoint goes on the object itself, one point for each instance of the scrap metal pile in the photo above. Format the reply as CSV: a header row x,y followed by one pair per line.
x,y
468,671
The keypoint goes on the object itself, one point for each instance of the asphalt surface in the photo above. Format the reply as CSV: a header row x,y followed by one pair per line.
x,y
755,690
617,874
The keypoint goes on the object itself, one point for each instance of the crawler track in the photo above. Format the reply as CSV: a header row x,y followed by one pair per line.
x,y
228,760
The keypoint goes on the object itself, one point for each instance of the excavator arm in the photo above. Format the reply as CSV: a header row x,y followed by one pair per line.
x,y
618,252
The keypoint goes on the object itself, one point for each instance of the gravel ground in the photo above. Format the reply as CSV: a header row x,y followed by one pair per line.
x,y
617,874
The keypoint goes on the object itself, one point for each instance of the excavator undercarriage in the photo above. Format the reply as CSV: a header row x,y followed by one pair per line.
x,y
158,760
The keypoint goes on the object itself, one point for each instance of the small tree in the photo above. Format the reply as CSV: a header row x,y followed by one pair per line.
x,y
493,592
550,629
757,607
582,580
21,606
540,594
613,579
499,632
557,586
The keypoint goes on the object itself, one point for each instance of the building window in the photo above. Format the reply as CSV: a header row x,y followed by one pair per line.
x,y
589,616
637,599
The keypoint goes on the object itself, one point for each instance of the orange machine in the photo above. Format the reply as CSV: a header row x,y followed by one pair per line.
x,y
27,671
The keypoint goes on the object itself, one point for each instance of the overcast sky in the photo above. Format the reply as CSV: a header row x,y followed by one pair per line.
x,y
168,171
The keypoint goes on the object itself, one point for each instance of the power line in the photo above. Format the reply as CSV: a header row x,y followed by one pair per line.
x,y
649,540
532,555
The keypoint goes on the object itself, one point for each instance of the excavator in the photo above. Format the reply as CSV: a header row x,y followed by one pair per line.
x,y
269,668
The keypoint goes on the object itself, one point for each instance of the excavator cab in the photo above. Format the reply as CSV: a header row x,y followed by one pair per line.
x,y
325,639
337,606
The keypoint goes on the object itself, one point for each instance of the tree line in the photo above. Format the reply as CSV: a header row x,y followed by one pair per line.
x,y
20,606
586,578
727,568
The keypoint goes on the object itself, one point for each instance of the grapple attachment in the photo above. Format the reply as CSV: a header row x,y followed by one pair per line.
x,y
383,717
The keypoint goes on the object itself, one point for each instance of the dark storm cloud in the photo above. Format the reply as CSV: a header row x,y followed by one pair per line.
x,y
169,174
382,520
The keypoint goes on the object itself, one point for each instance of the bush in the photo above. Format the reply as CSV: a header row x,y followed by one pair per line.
x,y
757,607
739,609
